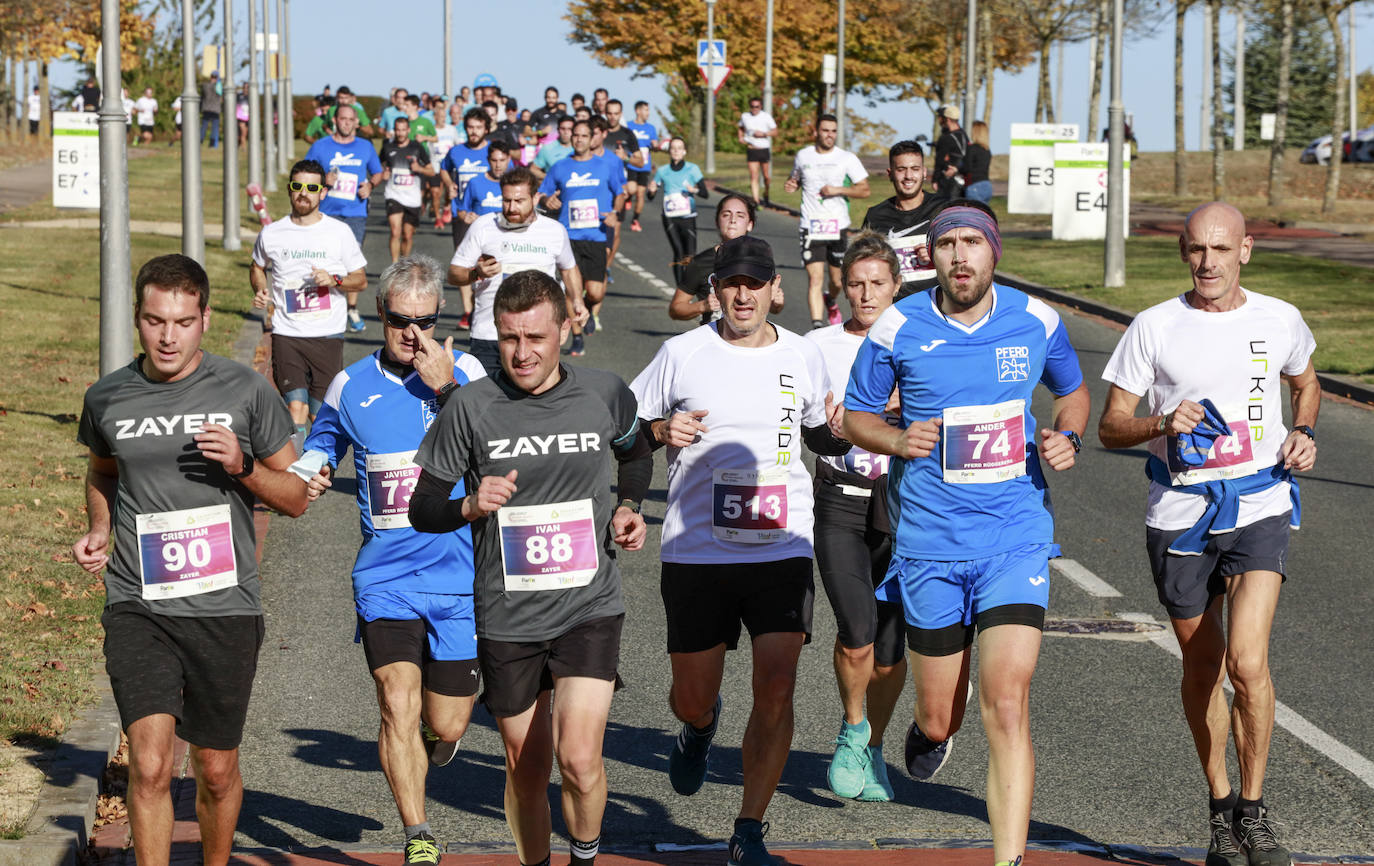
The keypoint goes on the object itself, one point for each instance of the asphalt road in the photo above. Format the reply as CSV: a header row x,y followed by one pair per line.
x,y
1115,763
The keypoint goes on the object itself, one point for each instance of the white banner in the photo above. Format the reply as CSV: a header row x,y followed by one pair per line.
x,y
76,159
1030,170
1080,192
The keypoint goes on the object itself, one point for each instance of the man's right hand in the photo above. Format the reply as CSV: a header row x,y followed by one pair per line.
x,y
1184,419
260,298
488,266
683,428
791,184
920,439
494,492
316,486
92,551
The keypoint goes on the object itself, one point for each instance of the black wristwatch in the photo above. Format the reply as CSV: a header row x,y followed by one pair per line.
x,y
630,504
1306,431
247,467
1074,438
445,391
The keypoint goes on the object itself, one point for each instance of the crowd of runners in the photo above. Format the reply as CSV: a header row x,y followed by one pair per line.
x,y
494,485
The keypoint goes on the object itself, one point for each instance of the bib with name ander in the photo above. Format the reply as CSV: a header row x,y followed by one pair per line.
x,y
984,444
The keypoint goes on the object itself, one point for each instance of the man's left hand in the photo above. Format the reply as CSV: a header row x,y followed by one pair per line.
x,y
1299,451
1057,450
219,444
628,529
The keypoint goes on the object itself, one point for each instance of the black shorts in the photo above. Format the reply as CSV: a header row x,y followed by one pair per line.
x,y
196,669
1187,584
459,229
639,177
706,603
430,181
306,362
831,251
387,641
758,154
852,557
591,260
515,673
410,215
148,128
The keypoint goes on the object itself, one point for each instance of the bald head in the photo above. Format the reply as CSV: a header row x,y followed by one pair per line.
x,y
1219,213
1215,246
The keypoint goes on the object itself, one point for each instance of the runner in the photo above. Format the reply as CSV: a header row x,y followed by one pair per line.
x,y
318,127
694,297
853,545
394,108
314,260
737,536
447,135
905,216
460,165
1221,500
353,171
404,162
827,176
182,443
590,193
757,129
344,96
682,182
599,99
549,607
553,151
624,143
423,131
647,136
412,591
483,193
972,531
146,108
548,112
612,148
35,113
514,240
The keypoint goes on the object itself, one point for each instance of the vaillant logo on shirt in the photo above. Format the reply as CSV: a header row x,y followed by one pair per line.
x,y
586,178
1013,364
557,443
169,425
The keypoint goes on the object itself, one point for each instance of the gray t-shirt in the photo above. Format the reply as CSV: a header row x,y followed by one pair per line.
x,y
183,539
545,563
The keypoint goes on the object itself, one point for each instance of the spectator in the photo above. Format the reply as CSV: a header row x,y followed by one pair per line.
x,y
949,153
977,161
211,103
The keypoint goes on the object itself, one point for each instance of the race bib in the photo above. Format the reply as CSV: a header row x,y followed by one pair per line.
x,y
907,256
864,463
749,505
1231,456
547,547
391,478
307,302
402,177
345,187
823,229
583,213
187,552
984,444
676,205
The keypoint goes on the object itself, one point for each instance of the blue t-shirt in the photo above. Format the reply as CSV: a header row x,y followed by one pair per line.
x,y
587,189
389,115
463,163
483,196
383,419
355,162
943,369
647,135
677,202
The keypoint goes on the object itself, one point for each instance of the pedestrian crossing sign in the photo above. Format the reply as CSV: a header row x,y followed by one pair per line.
x,y
711,53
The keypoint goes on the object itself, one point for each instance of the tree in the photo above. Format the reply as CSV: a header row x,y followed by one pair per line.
x,y
1048,22
1331,10
1364,94
1310,82
1213,12
1180,145
1281,104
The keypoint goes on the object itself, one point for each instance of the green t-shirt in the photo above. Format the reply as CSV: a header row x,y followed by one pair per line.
x,y
422,125
316,128
363,119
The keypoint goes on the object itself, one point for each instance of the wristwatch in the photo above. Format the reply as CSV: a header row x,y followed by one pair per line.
x,y
1074,438
247,467
1306,431
630,504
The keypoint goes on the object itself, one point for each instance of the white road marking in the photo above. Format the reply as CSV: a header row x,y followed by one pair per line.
x,y
645,275
1086,580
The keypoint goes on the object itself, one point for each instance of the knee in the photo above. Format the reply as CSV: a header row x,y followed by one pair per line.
x,y
857,656
773,691
218,778
1248,669
451,729
1008,713
400,706
690,703
937,724
1202,670
582,768
150,773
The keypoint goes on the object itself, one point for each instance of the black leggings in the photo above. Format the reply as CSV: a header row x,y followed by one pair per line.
x,y
682,237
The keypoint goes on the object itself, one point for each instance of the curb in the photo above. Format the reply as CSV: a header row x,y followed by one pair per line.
x,y
59,828
1332,384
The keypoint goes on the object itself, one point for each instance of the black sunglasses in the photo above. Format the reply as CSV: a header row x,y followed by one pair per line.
x,y
398,321
297,186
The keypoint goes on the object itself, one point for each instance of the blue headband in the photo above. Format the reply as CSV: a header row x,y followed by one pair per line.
x,y
964,217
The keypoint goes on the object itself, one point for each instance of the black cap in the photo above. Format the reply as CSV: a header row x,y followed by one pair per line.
x,y
745,256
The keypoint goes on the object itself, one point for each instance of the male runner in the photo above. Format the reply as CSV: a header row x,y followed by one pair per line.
x,y
827,177
647,136
1221,499
424,132
447,135
394,108
353,171
624,143
590,192
600,130
461,164
146,108
182,444
404,163
905,216
972,532
757,129
314,261
345,97
734,401
534,445
553,151
483,193
514,240
412,591
599,99
853,545
548,112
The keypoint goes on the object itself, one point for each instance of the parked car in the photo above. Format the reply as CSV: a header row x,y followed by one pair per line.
x,y
1361,150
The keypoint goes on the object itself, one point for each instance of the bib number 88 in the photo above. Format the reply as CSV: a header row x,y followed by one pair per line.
x,y
539,550
196,553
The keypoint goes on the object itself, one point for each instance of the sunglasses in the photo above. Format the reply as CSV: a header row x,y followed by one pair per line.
x,y
297,186
398,321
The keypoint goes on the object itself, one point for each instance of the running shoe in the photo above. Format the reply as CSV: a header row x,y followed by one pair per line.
x,y
440,751
832,310
579,347
421,849
593,322
635,226
746,845
355,321
849,767
924,758
877,787
1255,831
1222,849
687,761
465,322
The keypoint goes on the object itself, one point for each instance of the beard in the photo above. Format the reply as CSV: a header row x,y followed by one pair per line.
x,y
970,294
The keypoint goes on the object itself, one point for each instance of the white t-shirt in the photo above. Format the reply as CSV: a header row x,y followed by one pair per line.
x,y
146,107
823,218
293,251
741,492
128,110
447,137
544,246
176,103
756,128
35,106
840,348
1173,352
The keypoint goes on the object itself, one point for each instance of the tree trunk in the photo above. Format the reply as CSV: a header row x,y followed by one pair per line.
x,y
1218,116
1180,146
989,70
28,88
1281,109
1044,111
44,102
7,88
1332,12
1099,42
951,60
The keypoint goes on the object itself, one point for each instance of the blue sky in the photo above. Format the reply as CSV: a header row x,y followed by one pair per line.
x,y
547,57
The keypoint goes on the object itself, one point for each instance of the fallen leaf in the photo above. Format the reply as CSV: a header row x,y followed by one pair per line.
x,y
57,665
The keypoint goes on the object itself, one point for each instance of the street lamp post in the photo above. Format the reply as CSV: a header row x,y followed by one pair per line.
x,y
192,215
839,81
971,62
269,147
286,115
116,289
229,132
448,48
254,108
710,87
768,62
1114,249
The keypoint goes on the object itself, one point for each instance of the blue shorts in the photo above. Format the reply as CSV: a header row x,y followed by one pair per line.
x,y
449,624
936,594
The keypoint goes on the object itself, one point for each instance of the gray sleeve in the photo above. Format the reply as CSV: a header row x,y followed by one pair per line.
x,y
444,451
88,431
272,426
